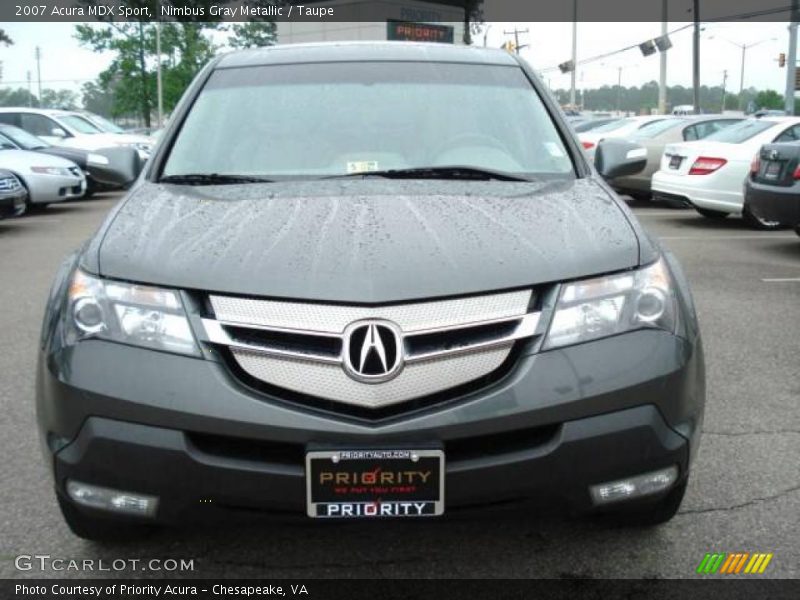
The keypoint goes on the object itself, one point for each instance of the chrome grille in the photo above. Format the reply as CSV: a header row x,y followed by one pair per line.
x,y
300,347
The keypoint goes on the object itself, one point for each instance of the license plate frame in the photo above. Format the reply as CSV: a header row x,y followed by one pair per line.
x,y
367,492
675,161
772,170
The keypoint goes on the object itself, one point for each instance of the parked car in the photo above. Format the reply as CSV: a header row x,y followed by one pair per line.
x,y
589,124
621,128
352,322
654,138
47,179
109,168
709,174
12,195
67,128
772,189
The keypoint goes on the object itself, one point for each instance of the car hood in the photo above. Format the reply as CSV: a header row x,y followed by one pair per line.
x,y
367,241
25,159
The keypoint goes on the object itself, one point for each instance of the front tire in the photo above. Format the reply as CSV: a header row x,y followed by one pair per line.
x,y
712,214
759,223
100,529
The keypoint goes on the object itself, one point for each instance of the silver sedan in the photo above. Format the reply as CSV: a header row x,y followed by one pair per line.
x,y
47,178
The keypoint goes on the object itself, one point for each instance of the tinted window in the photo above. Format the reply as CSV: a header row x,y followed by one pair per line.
x,y
38,124
9,118
701,130
740,132
790,135
335,118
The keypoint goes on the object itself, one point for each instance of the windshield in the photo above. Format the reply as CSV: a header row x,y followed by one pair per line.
x,y
80,124
651,130
21,138
740,132
105,124
314,120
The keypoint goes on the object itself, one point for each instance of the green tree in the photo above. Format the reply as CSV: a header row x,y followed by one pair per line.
x,y
17,97
63,99
769,99
4,39
98,99
254,34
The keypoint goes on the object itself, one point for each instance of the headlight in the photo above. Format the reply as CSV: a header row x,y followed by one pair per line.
x,y
131,314
96,159
61,171
596,308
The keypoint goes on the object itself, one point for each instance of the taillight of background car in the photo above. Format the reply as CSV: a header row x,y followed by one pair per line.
x,y
705,165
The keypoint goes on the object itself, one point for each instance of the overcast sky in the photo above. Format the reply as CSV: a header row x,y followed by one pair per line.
x,y
65,64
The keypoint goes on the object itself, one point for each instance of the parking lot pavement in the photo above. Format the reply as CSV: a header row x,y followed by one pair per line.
x,y
744,495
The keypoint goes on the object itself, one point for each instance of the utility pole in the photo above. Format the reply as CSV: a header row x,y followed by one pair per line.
x,y
38,55
662,74
724,82
574,51
619,89
516,33
791,59
159,86
486,34
30,93
696,58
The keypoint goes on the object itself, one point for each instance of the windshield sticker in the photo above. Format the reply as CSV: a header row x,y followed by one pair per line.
x,y
361,166
554,150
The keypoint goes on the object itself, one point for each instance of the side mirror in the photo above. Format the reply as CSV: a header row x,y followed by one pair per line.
x,y
619,158
58,132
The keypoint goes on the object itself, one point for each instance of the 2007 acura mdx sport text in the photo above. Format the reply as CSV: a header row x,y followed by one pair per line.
x,y
368,280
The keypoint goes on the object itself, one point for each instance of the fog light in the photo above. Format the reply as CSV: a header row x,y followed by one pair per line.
x,y
102,498
634,487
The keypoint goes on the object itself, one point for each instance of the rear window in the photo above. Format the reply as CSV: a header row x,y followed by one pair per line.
x,y
614,125
651,130
309,120
740,132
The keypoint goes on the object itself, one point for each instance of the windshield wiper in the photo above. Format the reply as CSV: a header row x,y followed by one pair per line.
x,y
212,179
449,172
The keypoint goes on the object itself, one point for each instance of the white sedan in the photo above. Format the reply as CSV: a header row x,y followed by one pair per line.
x,y
620,128
46,178
709,174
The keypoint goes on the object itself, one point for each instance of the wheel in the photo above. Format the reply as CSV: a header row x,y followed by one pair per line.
x,y
759,223
91,189
100,529
650,515
712,214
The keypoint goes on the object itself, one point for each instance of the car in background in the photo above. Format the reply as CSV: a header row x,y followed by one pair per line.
x,y
589,124
105,169
47,179
772,189
12,195
68,128
709,174
654,138
621,128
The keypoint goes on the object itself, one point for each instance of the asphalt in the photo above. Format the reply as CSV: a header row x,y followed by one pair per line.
x,y
744,494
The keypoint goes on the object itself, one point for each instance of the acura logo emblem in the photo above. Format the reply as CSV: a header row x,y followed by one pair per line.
x,y
373,351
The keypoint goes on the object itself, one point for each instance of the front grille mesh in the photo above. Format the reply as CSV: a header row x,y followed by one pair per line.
x,y
331,382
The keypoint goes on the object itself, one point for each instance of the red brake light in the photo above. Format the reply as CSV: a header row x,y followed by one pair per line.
x,y
755,164
705,165
796,174
587,145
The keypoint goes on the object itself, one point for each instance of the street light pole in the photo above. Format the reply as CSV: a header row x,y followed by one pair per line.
x,y
791,60
696,58
38,55
159,85
574,51
662,75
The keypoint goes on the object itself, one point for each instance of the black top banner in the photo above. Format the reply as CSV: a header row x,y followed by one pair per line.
x,y
382,10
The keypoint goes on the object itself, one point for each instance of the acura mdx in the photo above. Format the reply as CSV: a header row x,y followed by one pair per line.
x,y
369,280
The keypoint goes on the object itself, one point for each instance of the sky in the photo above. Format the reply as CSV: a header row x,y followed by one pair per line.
x,y
67,65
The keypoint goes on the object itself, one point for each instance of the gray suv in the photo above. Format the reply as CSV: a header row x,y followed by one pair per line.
x,y
368,281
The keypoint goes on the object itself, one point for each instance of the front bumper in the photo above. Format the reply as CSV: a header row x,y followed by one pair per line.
x,y
773,203
697,191
47,189
184,430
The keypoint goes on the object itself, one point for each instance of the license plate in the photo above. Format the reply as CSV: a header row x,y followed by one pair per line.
x,y
675,161
772,170
350,484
